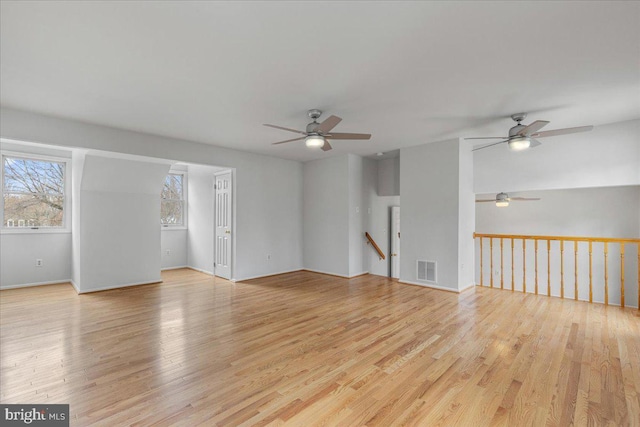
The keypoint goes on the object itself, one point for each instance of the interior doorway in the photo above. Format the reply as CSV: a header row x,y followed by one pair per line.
x,y
223,225
395,242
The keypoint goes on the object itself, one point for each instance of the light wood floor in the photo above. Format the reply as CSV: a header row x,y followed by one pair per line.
x,y
309,349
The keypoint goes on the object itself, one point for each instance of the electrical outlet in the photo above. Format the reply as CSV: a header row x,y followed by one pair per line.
x,y
268,257
168,252
357,209
38,262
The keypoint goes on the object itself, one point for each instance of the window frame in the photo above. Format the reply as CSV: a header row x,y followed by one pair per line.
x,y
185,183
66,212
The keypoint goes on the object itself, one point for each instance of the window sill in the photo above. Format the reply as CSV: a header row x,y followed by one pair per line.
x,y
36,231
173,228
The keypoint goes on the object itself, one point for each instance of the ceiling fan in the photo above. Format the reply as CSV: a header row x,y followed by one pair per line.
x,y
317,135
502,200
522,136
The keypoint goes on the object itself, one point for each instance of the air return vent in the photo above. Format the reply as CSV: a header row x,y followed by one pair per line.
x,y
427,271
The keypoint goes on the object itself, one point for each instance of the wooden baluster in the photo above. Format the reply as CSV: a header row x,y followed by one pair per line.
x,y
576,268
575,265
548,268
501,265
512,284
535,246
590,272
622,274
491,257
481,271
561,268
524,267
606,274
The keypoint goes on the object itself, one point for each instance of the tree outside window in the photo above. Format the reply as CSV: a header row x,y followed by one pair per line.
x,y
172,201
33,193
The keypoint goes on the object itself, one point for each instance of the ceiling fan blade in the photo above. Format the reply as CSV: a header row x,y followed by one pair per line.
x,y
489,145
288,140
485,200
524,199
326,146
283,128
565,131
328,124
349,136
534,143
491,137
533,127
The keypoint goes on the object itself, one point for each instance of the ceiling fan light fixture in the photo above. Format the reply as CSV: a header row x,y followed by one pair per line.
x,y
519,143
502,200
314,141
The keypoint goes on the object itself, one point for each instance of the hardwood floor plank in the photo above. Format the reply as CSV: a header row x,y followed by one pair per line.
x,y
314,350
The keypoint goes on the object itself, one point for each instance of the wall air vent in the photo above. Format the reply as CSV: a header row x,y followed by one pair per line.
x,y
427,271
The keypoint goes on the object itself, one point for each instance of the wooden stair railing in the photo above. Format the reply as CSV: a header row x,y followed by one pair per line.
x,y
374,245
606,241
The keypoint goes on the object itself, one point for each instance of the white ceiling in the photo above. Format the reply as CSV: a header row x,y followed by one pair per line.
x,y
409,73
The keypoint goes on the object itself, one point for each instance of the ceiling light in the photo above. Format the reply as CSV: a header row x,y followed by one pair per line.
x,y
519,143
502,200
380,154
314,141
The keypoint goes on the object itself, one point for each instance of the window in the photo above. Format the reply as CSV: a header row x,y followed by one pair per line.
x,y
172,206
33,191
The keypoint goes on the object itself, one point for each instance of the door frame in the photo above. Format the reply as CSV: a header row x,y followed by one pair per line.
x,y
393,258
232,251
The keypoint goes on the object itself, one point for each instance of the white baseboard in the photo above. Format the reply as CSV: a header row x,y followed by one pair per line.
x,y
200,270
472,285
29,285
362,273
124,285
75,286
336,274
174,268
429,285
266,275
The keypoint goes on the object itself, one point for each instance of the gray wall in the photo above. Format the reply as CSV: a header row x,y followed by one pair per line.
x,y
268,190
173,240
389,177
201,218
341,202
433,213
357,212
19,251
326,215
466,217
119,232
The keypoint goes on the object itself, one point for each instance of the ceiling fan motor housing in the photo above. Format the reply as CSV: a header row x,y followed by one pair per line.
x,y
502,197
311,127
518,117
514,130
